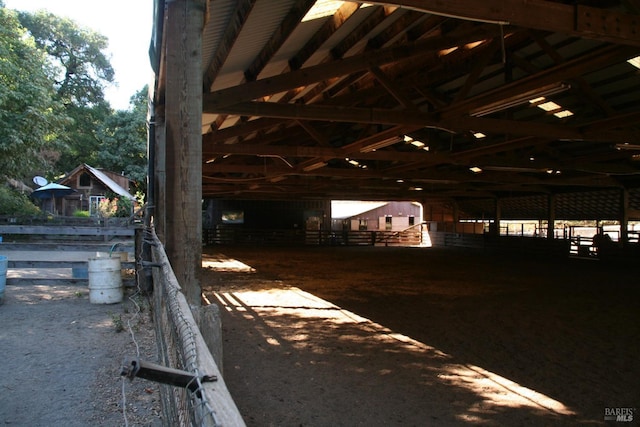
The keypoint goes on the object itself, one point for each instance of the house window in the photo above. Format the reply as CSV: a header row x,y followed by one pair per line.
x,y
84,180
233,217
362,224
387,223
412,221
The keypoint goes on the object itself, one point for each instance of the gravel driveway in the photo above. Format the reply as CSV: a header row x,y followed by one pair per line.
x,y
62,356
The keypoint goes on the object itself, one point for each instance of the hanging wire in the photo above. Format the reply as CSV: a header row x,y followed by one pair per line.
x,y
135,342
124,403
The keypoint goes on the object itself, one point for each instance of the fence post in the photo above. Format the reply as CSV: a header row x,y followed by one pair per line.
x,y
210,326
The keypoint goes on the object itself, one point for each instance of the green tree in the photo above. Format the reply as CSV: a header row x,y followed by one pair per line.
x,y
123,141
81,142
79,71
30,118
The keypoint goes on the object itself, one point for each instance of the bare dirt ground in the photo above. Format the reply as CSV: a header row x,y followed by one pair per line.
x,y
62,356
347,336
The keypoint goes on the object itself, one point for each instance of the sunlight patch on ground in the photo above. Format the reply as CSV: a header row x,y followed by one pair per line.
x,y
34,294
494,390
33,273
500,391
221,262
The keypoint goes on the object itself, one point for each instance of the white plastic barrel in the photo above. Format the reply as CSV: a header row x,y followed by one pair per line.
x,y
105,280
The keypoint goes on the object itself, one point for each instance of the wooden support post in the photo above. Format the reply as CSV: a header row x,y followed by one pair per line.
x,y
210,325
160,176
455,216
183,118
624,217
551,216
494,229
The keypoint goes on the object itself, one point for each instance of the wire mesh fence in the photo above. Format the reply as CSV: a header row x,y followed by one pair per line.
x,y
181,346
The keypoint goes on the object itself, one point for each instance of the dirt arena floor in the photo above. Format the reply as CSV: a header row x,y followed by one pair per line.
x,y
347,336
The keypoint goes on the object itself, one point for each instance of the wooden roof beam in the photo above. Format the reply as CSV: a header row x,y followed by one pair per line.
x,y
576,20
497,179
289,24
337,52
396,91
309,75
330,26
564,71
296,151
240,129
480,64
231,33
584,87
421,119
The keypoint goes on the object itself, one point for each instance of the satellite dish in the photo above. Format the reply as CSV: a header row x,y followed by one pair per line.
x,y
40,180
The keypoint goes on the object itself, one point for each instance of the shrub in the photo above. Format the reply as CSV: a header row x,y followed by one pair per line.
x,y
13,202
80,214
124,207
117,206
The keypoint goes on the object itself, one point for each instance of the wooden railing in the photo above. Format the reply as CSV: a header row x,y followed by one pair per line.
x,y
410,236
225,235
66,228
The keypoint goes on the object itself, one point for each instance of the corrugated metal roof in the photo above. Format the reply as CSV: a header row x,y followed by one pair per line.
x,y
111,184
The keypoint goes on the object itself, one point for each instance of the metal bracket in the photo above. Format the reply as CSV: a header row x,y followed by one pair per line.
x,y
134,367
148,264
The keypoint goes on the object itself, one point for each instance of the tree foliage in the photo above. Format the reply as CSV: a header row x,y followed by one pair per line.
x,y
30,117
79,71
123,140
53,112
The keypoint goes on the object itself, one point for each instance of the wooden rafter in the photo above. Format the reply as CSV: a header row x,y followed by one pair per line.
x,y
420,119
576,20
231,33
310,75
327,29
289,24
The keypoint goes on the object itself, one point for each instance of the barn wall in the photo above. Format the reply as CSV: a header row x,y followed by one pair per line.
x,y
80,200
375,218
267,214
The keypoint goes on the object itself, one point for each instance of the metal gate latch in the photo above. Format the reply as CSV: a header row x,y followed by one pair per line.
x,y
134,367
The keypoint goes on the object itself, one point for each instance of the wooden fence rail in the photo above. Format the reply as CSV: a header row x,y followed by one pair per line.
x,y
65,230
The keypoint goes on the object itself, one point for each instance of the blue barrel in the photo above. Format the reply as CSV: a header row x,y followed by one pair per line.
x,y
4,263
80,273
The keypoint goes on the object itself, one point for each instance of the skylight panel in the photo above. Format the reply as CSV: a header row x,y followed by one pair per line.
x,y
321,9
549,106
635,61
562,114
445,52
324,8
